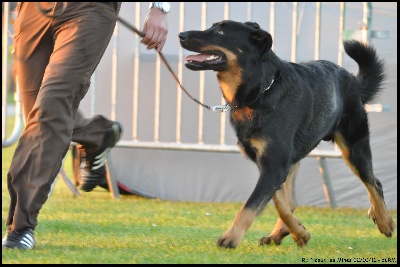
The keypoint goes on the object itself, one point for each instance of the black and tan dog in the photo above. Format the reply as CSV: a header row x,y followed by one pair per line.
x,y
281,110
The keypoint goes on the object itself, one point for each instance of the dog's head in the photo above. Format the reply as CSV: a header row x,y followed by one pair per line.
x,y
224,42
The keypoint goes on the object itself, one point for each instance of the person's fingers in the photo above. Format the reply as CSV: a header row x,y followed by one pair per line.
x,y
144,30
154,40
155,29
162,42
158,42
148,36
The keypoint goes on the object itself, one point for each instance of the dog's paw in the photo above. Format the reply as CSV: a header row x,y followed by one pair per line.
x,y
229,239
302,239
275,237
384,221
371,214
301,236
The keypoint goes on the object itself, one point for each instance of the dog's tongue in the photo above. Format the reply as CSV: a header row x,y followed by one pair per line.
x,y
198,58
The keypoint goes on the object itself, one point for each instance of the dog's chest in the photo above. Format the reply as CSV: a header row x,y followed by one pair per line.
x,y
244,122
242,115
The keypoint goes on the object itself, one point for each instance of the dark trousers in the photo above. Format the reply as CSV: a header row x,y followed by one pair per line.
x,y
54,58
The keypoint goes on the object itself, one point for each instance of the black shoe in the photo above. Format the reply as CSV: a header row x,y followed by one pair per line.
x,y
21,240
93,169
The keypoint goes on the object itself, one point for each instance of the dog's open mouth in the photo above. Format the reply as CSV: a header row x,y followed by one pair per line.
x,y
207,61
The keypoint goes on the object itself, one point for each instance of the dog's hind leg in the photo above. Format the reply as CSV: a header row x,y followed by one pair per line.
x,y
280,230
356,153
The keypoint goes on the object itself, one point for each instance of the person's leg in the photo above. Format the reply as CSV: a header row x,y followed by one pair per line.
x,y
81,35
97,135
33,46
27,48
35,53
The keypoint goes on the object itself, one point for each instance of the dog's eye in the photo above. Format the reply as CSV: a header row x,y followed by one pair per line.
x,y
220,32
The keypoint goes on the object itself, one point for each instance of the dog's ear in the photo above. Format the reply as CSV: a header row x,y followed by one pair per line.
x,y
262,40
252,24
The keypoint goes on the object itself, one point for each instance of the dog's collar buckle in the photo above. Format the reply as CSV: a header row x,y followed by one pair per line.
x,y
221,108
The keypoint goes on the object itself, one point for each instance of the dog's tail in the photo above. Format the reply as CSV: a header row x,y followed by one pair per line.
x,y
371,69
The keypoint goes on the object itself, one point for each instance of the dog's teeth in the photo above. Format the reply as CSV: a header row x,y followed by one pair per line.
x,y
212,57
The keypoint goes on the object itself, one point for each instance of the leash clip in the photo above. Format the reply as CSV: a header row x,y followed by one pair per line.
x,y
221,108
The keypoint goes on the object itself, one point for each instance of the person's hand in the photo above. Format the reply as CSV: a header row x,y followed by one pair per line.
x,y
155,29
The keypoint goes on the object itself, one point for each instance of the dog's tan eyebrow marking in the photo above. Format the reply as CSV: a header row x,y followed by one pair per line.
x,y
231,78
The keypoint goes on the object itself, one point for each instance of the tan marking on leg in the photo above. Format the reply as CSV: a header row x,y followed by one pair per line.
x,y
278,233
299,233
339,140
233,236
280,229
288,186
379,213
259,144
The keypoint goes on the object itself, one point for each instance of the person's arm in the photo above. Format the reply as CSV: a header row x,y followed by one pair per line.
x,y
155,27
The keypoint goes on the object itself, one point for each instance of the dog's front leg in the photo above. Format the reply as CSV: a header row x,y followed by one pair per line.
x,y
266,186
243,220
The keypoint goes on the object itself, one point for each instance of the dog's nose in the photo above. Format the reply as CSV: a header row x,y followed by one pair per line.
x,y
182,36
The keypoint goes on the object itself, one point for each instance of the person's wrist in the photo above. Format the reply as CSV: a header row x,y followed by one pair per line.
x,y
165,7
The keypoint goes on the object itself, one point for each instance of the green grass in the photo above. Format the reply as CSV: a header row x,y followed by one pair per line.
x,y
94,228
